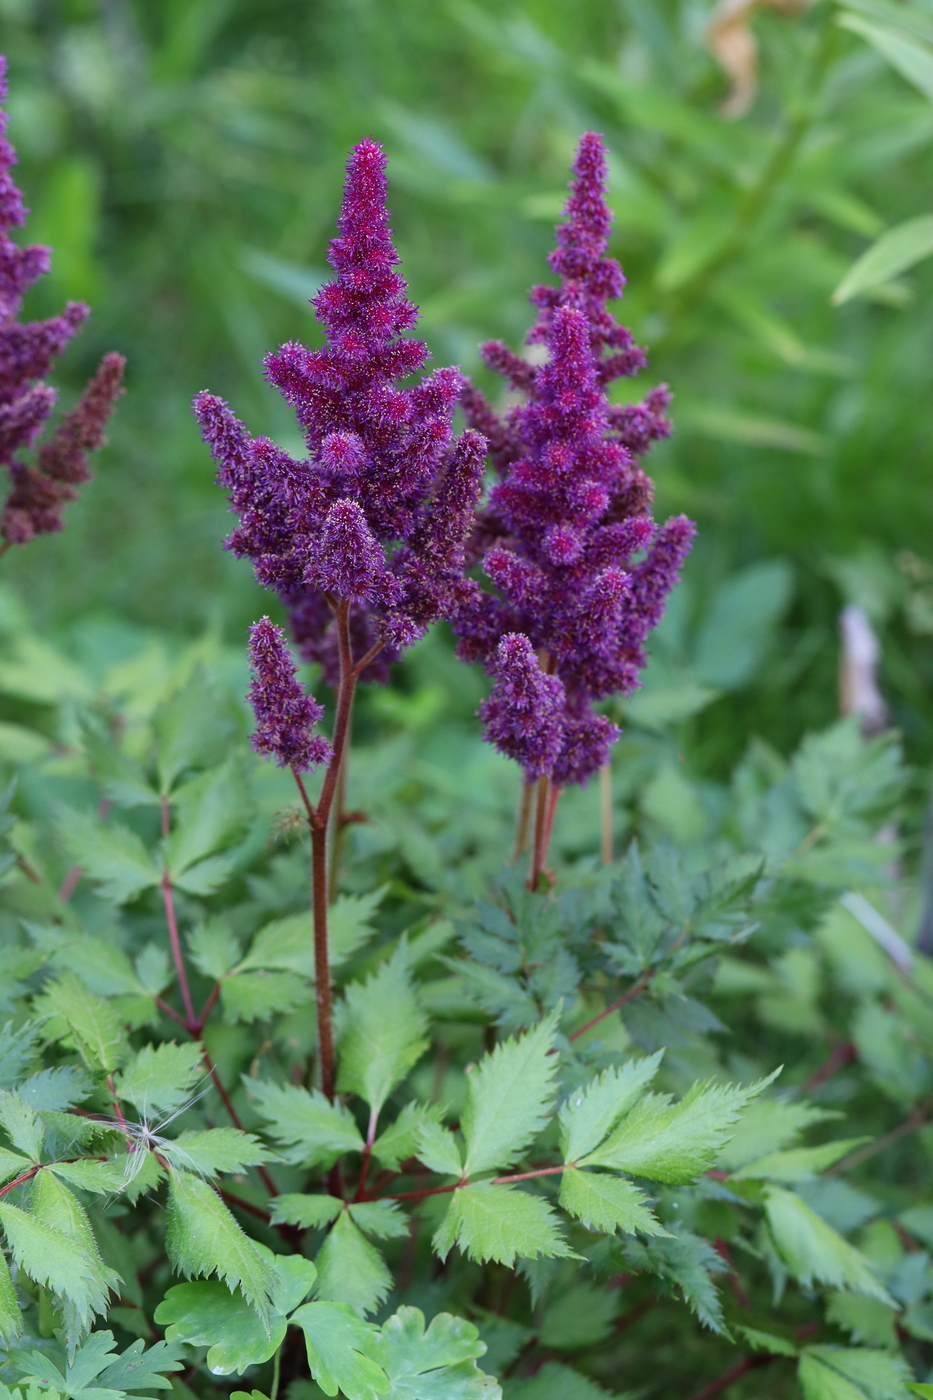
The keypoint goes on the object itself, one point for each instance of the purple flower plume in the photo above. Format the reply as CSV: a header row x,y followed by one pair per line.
x,y
523,716
383,472
566,537
27,352
285,715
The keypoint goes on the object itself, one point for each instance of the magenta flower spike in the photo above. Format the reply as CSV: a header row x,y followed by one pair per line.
x,y
285,715
578,565
383,469
27,353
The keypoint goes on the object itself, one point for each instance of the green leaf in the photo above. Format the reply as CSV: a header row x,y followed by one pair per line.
x,y
852,1373
55,1089
925,1391
213,948
191,730
579,1318
53,1205
768,1341
211,815
202,1238
56,1260
682,1261
207,876
102,1178
894,252
141,1367
591,1113
500,1223
674,1143
158,1079
913,60
865,1320
381,1219
91,1022
351,1270
340,1350
437,1364
213,1150
813,1251
767,1125
287,945
607,1203
96,1373
383,1034
557,1382
11,1164
349,923
11,1319
509,1098
437,1149
399,1140
254,996
307,1212
21,1124
314,1131
208,1315
111,855
797,1164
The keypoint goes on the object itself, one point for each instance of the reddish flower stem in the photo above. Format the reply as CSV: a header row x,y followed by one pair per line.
x,y
632,992
539,848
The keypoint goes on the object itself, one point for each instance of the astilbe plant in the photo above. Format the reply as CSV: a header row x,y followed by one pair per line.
x,y
566,538
364,539
39,490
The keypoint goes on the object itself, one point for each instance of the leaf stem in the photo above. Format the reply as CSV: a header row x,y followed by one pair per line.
x,y
632,992
458,1185
367,1154
524,820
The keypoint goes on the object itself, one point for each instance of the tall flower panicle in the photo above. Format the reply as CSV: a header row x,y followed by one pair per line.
x,y
285,715
524,713
383,469
566,537
27,352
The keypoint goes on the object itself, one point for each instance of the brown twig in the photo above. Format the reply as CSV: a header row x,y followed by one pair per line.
x,y
841,1055
918,1119
632,992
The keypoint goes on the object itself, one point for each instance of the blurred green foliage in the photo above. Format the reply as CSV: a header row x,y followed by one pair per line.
x,y
185,160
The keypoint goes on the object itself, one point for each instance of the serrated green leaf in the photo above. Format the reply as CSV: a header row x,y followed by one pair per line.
x,y
91,1022
213,1150
12,1164
814,1252
674,1143
399,1140
202,1238
500,1223
159,1078
509,1098
437,1364
191,730
767,1125
314,1131
207,876
213,948
207,1314
686,1262
21,1124
210,814
579,1317
340,1349
110,854
11,1319
253,996
867,1322
798,1163
101,1178
142,1368
383,1034
437,1148
381,1219
55,1206
607,1203
555,1381
592,1112
351,1270
768,1341
53,1258
852,1373
55,1089
307,1212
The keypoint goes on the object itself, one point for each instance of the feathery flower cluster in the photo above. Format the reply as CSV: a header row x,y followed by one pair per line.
x,y
27,351
285,715
383,467
569,514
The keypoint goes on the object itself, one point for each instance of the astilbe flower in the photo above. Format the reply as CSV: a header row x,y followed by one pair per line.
x,y
27,352
566,537
285,715
383,468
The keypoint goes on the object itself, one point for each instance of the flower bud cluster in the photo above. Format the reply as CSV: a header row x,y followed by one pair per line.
x,y
27,352
566,538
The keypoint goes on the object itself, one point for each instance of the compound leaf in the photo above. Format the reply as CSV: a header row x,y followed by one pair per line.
x,y
509,1098
110,854
500,1223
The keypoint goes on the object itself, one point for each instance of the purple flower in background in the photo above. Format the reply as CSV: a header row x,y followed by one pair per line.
x,y
566,537
285,715
383,468
27,352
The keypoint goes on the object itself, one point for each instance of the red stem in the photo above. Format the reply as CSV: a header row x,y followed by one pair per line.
x,y
26,1176
367,1155
539,849
632,992
841,1055
496,1181
740,1369
177,955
